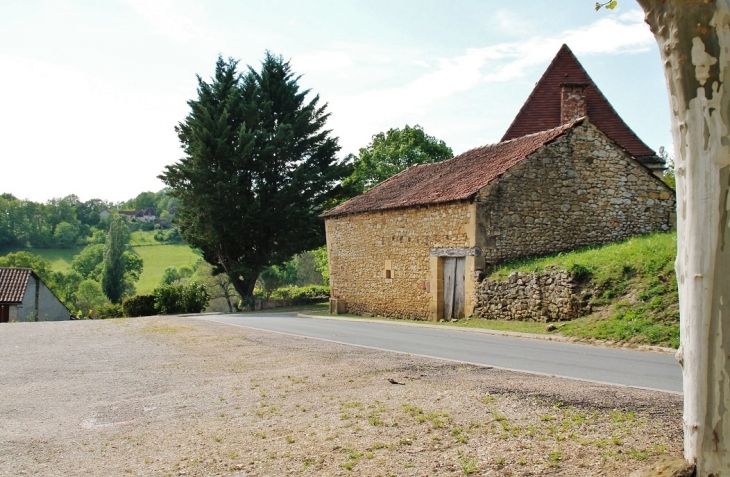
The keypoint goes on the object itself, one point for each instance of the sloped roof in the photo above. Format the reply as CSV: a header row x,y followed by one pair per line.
x,y
541,111
13,282
454,179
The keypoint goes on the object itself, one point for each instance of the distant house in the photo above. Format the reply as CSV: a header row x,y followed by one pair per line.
x,y
24,297
146,215
128,214
104,214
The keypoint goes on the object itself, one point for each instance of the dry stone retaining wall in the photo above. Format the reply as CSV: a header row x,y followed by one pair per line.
x,y
545,297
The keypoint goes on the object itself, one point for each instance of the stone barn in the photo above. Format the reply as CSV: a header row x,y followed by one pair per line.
x,y
24,297
413,245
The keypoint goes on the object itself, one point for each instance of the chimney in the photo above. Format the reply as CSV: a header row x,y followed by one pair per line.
x,y
572,101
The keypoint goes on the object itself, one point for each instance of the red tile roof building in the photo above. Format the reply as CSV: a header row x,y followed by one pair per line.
x,y
454,179
564,78
414,245
13,283
24,297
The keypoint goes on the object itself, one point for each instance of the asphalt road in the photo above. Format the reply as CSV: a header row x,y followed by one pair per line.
x,y
606,365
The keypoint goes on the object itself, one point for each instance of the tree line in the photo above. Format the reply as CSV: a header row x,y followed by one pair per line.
x,y
67,221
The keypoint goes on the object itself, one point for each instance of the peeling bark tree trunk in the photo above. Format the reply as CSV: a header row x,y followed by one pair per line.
x,y
694,41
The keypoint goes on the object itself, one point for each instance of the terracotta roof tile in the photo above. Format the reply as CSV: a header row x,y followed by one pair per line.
x,y
13,282
541,111
454,179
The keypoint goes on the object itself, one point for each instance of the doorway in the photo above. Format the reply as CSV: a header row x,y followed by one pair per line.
x,y
4,313
454,290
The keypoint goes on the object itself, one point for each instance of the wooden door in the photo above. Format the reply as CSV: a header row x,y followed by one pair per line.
x,y
4,313
454,290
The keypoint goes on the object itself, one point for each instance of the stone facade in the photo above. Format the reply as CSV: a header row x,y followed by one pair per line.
x,y
544,297
577,191
380,262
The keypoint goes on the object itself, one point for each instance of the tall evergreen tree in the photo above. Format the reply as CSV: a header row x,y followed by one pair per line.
x,y
112,275
258,168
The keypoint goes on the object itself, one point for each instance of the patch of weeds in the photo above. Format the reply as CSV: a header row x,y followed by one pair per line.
x,y
618,416
554,458
468,465
289,440
414,411
375,420
309,462
638,454
353,457
547,418
218,439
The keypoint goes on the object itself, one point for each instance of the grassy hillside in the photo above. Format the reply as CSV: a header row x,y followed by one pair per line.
x,y
157,258
636,289
60,258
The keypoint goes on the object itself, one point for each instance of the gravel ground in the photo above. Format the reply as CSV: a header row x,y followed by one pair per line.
x,y
178,396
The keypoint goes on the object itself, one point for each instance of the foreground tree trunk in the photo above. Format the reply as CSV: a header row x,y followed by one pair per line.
x,y
694,41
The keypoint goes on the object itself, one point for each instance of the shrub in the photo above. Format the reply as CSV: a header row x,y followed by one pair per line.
x,y
298,293
178,298
109,310
139,305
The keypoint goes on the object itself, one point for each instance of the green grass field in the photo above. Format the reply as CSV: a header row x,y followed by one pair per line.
x,y
60,258
157,258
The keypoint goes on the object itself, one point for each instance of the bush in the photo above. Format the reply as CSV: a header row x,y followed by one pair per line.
x,y
139,305
178,298
109,310
298,293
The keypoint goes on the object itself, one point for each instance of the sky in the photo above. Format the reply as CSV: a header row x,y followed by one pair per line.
x,y
90,91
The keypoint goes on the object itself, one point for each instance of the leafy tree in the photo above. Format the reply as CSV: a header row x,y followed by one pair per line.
x,y
258,168
88,262
321,263
89,296
65,286
170,276
121,267
65,235
394,151
219,286
277,276
145,200
38,264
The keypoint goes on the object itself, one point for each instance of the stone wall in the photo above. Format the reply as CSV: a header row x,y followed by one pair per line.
x,y
379,261
580,190
546,297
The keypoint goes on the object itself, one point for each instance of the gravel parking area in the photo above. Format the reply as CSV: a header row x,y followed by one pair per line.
x,y
176,396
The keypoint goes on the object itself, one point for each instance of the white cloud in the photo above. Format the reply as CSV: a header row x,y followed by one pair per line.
x,y
322,61
166,17
377,109
85,130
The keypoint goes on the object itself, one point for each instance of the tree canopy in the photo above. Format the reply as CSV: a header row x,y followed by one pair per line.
x,y
394,151
257,170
